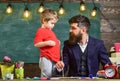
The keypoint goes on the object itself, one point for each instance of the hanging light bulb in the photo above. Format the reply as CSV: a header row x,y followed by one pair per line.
x,y
82,6
94,12
9,9
26,13
41,8
61,10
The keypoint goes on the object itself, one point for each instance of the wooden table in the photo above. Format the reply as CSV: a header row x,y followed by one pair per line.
x,y
63,80
66,79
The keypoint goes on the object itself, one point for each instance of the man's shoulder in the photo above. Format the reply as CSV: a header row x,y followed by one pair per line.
x,y
95,40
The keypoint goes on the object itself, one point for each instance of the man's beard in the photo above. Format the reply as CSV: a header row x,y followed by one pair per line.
x,y
74,39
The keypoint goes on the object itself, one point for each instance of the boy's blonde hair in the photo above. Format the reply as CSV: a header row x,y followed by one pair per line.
x,y
48,14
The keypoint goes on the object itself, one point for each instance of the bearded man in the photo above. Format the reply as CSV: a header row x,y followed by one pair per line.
x,y
82,54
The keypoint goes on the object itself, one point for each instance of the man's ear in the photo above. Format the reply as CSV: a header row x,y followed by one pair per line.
x,y
84,29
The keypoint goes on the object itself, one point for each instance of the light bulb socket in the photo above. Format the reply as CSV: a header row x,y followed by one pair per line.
x,y
61,6
95,8
82,3
41,4
26,8
9,5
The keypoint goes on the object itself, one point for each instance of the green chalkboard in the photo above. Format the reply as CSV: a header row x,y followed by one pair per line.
x,y
17,34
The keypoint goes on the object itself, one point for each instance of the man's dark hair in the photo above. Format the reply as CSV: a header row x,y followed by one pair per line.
x,y
81,20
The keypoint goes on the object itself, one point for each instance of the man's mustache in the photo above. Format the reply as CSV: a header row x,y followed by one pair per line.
x,y
71,34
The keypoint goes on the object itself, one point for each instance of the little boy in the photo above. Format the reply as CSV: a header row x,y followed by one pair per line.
x,y
46,40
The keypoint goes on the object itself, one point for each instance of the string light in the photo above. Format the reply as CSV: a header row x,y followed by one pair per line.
x,y
41,8
26,13
61,11
9,9
82,6
94,12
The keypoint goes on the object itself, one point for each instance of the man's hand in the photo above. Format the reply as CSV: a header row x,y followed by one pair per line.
x,y
60,65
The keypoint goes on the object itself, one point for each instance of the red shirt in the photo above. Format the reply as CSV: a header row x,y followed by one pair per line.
x,y
50,52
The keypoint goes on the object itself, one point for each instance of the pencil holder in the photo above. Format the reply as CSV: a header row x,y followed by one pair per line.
x,y
5,69
19,73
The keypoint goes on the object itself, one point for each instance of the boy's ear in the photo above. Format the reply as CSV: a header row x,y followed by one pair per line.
x,y
44,21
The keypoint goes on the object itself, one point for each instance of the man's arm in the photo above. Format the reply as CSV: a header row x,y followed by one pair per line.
x,y
104,54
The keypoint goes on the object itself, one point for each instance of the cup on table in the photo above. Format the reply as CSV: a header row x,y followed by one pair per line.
x,y
19,73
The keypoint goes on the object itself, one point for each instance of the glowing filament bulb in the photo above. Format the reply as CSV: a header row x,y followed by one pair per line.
x,y
41,8
94,12
82,7
61,10
26,13
9,9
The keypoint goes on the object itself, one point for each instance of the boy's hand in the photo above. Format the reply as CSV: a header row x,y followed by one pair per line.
x,y
51,43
